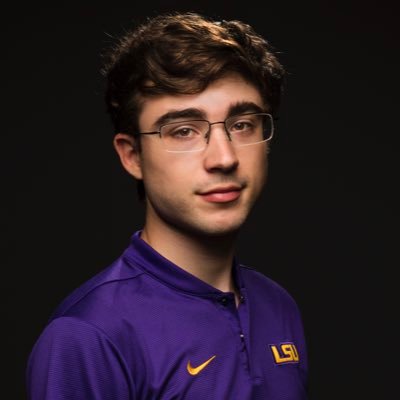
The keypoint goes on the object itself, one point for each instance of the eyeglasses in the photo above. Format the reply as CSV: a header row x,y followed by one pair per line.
x,y
194,135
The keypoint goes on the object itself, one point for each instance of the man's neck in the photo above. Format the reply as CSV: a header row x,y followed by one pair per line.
x,y
207,258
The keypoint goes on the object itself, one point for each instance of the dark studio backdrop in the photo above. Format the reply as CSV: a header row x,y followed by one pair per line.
x,y
323,228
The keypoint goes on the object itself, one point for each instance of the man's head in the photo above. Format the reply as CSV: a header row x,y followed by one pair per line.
x,y
200,69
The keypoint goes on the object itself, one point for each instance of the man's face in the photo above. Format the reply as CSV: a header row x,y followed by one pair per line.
x,y
209,192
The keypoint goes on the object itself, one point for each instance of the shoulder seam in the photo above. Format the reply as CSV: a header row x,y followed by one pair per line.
x,y
87,293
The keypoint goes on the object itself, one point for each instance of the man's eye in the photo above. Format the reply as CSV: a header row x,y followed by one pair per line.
x,y
241,126
184,132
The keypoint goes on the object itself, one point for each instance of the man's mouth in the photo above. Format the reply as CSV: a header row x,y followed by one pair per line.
x,y
222,194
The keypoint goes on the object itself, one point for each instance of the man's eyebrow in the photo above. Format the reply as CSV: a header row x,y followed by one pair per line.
x,y
244,107
241,107
187,113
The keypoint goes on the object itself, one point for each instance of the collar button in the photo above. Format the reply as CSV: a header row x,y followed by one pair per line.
x,y
224,301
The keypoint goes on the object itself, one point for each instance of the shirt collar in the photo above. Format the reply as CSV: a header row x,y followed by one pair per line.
x,y
145,257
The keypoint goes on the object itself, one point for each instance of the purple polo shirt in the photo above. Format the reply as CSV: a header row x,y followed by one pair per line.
x,y
146,329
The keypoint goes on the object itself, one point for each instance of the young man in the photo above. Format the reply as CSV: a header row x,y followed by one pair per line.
x,y
176,316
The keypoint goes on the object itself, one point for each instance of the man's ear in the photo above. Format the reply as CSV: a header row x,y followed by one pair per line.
x,y
128,150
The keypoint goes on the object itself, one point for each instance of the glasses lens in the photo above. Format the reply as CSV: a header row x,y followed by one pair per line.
x,y
184,136
249,128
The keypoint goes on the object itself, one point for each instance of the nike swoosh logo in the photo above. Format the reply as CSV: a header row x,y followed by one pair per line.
x,y
196,370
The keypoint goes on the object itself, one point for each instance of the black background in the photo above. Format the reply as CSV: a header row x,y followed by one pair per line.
x,y
324,227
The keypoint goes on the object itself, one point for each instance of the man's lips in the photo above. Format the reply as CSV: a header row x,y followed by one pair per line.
x,y
221,194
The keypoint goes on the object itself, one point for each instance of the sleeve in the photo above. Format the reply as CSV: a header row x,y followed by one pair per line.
x,y
73,359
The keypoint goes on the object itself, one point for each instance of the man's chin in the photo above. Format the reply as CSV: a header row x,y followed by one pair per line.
x,y
217,229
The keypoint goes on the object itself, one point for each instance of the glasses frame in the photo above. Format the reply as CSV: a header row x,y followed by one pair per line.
x,y
208,133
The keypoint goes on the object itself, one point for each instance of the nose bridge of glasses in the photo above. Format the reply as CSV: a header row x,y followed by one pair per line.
x,y
210,124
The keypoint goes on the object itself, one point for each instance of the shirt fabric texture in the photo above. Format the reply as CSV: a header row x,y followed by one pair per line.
x,y
138,328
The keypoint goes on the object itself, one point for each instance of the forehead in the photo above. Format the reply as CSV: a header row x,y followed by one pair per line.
x,y
213,103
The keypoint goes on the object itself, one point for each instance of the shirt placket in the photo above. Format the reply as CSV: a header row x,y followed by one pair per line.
x,y
239,322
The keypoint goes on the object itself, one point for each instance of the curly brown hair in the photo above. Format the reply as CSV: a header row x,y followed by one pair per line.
x,y
182,53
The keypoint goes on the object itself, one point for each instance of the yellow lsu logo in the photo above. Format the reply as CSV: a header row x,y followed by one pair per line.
x,y
285,353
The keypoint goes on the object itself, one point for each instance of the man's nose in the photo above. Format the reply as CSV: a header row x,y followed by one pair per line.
x,y
220,154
